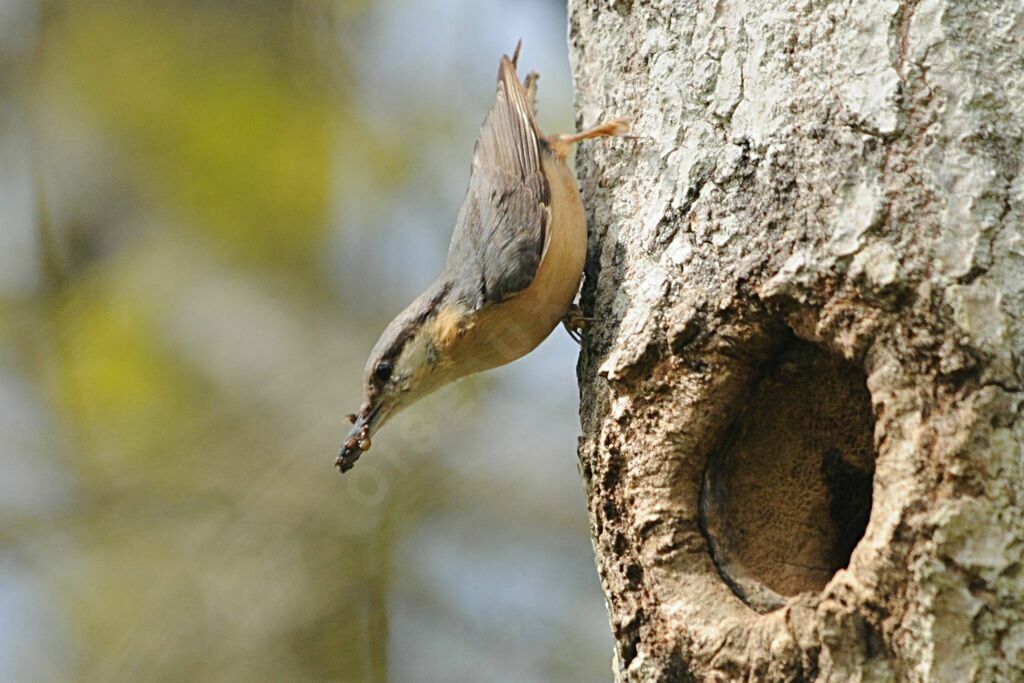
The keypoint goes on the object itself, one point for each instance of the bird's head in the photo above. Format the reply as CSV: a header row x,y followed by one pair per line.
x,y
410,360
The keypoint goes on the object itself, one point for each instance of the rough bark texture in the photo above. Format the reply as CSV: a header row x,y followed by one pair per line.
x,y
808,276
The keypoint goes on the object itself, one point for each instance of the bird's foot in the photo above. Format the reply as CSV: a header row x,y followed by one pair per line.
x,y
576,323
561,145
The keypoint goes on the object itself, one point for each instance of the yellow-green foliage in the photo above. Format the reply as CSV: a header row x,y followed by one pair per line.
x,y
218,127
116,381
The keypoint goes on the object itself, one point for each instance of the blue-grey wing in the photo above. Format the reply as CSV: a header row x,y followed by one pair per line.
x,y
501,230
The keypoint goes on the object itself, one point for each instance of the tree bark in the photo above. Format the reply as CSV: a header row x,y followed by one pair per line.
x,y
801,397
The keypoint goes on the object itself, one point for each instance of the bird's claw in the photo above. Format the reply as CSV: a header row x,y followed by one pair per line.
x,y
576,323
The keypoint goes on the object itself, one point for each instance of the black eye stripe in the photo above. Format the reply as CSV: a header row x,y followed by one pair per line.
x,y
409,331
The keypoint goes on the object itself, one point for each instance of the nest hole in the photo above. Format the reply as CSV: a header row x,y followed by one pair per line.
x,y
787,495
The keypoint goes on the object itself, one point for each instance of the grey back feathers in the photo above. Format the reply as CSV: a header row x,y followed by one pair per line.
x,y
499,238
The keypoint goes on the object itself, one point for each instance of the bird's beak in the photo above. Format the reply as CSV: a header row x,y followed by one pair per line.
x,y
363,426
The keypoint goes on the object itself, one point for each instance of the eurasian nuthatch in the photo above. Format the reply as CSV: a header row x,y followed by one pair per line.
x,y
513,269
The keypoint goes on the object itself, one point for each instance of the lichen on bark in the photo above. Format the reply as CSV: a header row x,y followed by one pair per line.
x,y
848,174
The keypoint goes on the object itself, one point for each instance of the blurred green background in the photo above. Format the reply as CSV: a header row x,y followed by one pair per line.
x,y
208,211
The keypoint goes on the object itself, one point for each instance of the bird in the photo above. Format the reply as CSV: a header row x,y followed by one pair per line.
x,y
513,268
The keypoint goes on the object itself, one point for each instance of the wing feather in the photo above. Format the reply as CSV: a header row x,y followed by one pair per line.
x,y
501,231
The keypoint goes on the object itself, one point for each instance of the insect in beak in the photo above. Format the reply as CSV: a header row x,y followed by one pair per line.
x,y
358,441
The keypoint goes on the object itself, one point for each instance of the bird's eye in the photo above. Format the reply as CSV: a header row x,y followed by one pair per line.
x,y
383,371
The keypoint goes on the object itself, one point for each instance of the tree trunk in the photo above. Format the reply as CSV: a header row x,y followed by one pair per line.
x,y
801,399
